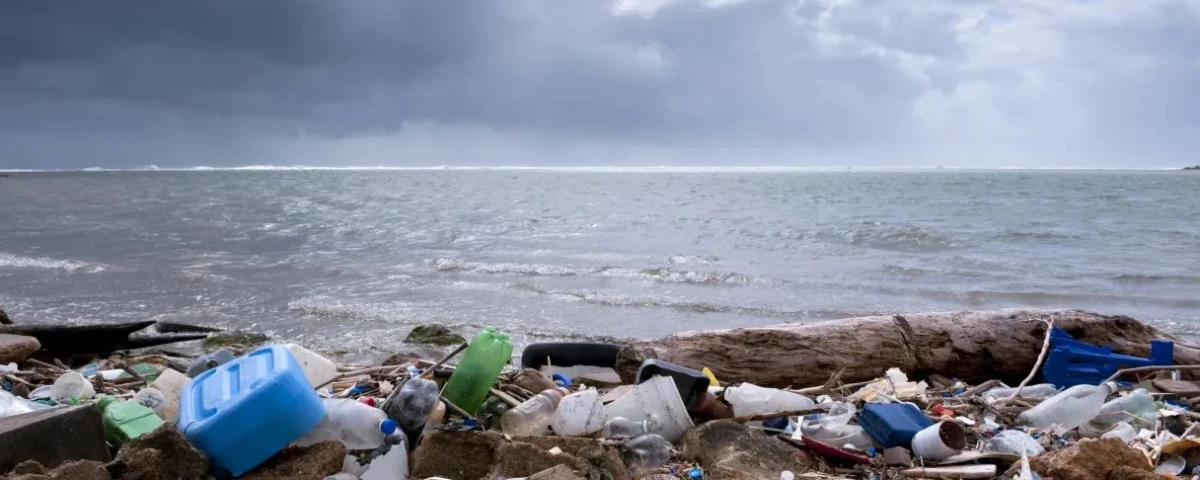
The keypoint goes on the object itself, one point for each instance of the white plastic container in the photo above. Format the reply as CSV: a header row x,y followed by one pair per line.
x,y
749,399
579,414
151,398
656,398
1043,390
357,425
13,405
836,435
170,383
1123,431
940,441
1070,408
316,368
72,385
392,465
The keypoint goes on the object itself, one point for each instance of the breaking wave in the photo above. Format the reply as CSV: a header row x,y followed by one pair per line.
x,y
660,274
18,261
658,301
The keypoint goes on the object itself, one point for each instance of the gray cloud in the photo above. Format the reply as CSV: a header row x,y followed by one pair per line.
x,y
538,82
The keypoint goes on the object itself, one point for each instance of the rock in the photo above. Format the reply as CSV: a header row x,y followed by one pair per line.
x,y
533,380
29,467
560,472
972,346
234,339
413,354
4,320
16,348
477,455
729,450
77,470
1090,459
1131,473
457,455
434,334
519,459
164,454
39,436
314,462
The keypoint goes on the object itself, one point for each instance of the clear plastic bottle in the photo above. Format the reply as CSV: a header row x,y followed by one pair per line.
x,y
411,408
647,451
1044,390
534,415
1137,408
1070,408
209,361
621,427
750,399
357,425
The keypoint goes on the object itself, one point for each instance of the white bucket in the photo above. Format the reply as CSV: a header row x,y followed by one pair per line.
x,y
939,442
657,398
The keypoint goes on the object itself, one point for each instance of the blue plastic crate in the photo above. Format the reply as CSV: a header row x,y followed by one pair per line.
x,y
893,424
243,412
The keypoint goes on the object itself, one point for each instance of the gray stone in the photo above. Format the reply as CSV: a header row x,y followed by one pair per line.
x,y
314,462
434,334
164,454
16,348
53,437
727,449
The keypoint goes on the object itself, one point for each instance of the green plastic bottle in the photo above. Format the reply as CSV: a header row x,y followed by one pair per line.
x,y
487,355
124,421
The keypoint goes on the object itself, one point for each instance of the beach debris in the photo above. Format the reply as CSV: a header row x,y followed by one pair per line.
x,y
16,348
283,411
434,334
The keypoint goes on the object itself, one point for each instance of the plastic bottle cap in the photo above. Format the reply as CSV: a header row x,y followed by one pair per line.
x,y
387,426
104,401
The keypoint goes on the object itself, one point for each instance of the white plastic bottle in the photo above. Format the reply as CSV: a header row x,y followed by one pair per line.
x,y
1137,408
357,425
1070,408
750,399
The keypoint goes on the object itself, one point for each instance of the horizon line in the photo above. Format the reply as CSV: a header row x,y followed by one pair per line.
x,y
597,169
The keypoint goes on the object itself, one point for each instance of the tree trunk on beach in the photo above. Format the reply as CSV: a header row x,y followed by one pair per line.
x,y
972,346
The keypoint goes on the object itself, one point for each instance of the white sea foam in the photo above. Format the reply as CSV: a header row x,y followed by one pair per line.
x,y
8,260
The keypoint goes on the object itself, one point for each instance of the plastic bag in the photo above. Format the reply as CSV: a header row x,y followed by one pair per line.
x,y
1014,442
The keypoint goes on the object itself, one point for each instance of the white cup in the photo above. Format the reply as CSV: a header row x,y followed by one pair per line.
x,y
939,442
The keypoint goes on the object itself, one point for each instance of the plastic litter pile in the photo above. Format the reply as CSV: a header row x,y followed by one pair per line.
x,y
245,415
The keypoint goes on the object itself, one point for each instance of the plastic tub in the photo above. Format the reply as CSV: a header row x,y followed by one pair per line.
x,y
893,424
243,412
657,400
692,384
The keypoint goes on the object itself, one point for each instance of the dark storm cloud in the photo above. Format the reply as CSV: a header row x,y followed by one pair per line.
x,y
383,82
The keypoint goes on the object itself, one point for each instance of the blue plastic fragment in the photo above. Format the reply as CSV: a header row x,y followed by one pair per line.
x,y
561,380
1072,362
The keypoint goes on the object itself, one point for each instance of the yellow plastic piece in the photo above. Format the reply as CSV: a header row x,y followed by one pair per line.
x,y
712,379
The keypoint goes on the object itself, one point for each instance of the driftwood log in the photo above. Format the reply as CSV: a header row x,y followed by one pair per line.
x,y
973,346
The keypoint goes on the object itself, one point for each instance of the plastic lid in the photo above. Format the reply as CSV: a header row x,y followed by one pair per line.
x,y
387,426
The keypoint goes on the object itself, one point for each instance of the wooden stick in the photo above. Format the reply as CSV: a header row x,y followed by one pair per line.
x,y
362,371
133,373
44,364
17,379
456,408
1037,364
769,416
1151,369
512,402
828,386
976,390
429,371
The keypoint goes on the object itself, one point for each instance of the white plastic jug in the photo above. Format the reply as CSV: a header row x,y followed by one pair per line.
x,y
749,399
316,368
656,398
579,414
392,465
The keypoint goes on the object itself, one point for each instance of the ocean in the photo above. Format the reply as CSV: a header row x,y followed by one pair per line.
x,y
352,260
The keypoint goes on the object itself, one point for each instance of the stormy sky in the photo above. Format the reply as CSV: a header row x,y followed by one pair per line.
x,y
889,83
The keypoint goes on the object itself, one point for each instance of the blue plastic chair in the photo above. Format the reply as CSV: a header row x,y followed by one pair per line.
x,y
1072,362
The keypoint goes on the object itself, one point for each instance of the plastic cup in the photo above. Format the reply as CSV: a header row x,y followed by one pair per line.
x,y
939,442
655,398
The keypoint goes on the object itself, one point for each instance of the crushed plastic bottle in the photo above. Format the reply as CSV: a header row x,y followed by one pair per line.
x,y
749,399
1044,390
1070,408
1122,431
72,387
418,398
647,451
358,426
579,414
621,427
13,405
534,415
840,435
1136,408
1014,442
209,361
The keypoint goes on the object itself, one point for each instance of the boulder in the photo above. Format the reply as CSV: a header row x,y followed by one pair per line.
x,y
16,348
479,455
76,470
314,462
533,380
4,320
1131,473
1090,459
972,346
434,334
53,437
729,450
164,454
520,459
560,472
235,339
457,455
